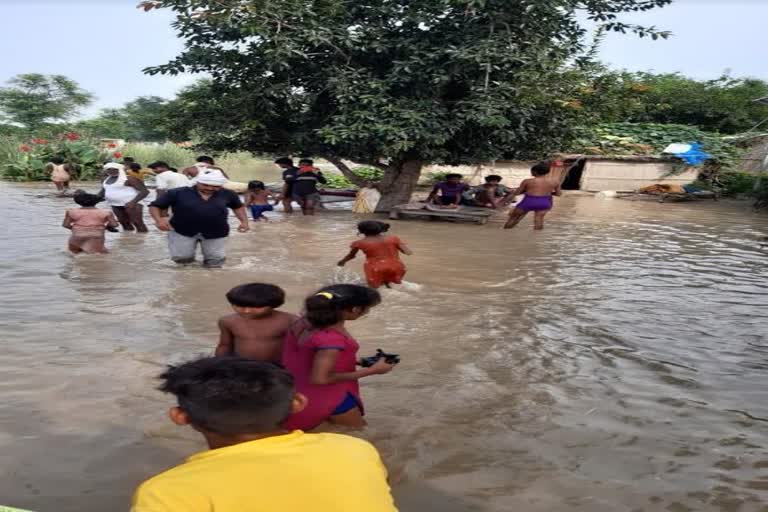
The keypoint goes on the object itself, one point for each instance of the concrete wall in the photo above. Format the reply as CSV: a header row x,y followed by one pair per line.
x,y
598,175
511,172
626,176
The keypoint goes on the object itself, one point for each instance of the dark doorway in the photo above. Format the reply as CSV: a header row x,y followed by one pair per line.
x,y
572,180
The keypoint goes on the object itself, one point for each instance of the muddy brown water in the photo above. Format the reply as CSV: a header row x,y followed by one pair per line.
x,y
615,362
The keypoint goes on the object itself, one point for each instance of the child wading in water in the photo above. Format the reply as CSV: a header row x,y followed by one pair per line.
x,y
322,357
254,464
257,200
538,197
88,224
383,265
257,328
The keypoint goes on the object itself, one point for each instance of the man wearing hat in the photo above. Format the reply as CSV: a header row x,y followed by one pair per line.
x,y
199,216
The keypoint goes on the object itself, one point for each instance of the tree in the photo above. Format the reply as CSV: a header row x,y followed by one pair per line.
x,y
393,84
723,105
32,100
143,119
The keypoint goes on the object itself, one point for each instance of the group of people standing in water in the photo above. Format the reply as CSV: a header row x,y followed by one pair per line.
x,y
274,374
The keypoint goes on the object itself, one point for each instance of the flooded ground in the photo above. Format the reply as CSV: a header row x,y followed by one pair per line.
x,y
615,362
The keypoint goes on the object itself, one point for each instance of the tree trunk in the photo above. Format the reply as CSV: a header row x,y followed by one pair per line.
x,y
398,184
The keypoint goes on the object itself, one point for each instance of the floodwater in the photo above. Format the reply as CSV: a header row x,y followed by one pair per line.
x,y
616,361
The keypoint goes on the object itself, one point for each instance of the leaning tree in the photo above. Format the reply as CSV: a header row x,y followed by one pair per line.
x,y
393,84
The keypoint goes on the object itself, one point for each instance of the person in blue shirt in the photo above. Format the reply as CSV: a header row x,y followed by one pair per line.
x,y
199,216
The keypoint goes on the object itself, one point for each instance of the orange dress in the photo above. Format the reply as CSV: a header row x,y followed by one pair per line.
x,y
383,263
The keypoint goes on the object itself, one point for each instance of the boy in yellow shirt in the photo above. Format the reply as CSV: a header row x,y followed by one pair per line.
x,y
253,464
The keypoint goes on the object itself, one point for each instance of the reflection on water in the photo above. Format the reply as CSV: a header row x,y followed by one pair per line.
x,y
616,361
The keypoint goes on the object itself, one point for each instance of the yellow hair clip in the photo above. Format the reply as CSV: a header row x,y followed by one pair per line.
x,y
327,295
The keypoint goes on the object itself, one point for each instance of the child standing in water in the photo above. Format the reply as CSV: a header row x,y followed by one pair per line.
x,y
257,200
256,330
322,357
383,265
88,224
538,197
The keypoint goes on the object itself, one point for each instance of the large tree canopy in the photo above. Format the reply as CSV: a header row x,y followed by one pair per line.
x,y
33,100
390,83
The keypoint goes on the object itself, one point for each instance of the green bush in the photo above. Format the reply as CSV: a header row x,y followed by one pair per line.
x,y
23,159
651,139
367,173
737,183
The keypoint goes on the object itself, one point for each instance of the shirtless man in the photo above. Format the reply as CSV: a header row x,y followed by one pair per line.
x,y
538,197
257,328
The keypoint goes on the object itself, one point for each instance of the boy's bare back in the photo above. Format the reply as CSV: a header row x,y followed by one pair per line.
x,y
255,338
539,186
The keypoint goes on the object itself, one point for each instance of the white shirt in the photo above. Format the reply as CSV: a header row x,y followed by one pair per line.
x,y
118,193
169,179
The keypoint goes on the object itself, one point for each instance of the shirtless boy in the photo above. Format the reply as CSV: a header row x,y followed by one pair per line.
x,y
257,329
538,197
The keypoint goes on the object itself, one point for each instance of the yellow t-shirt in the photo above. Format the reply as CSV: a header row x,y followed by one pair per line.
x,y
296,472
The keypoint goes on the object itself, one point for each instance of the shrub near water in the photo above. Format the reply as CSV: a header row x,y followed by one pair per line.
x,y
340,182
23,159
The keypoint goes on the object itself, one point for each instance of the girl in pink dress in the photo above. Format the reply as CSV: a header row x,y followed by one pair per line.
x,y
88,224
322,357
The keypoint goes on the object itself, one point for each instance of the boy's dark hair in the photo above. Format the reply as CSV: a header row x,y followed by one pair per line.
x,y
256,295
284,161
325,308
83,198
256,185
540,169
372,227
306,161
493,177
453,175
159,163
134,166
204,159
57,160
128,159
231,395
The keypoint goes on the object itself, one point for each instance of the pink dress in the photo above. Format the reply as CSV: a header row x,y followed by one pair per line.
x,y
299,349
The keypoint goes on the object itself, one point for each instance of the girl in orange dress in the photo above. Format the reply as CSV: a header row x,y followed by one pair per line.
x,y
383,265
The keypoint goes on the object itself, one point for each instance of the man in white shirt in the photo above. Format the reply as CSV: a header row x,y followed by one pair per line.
x,y
166,179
